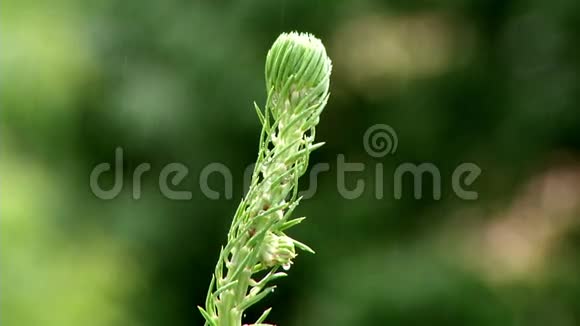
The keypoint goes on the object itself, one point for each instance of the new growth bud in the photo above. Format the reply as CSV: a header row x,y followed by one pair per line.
x,y
297,67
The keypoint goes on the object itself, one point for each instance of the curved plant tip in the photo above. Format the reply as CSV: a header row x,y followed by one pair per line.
x,y
297,81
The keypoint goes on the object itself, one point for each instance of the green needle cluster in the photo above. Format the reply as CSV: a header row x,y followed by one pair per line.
x,y
297,80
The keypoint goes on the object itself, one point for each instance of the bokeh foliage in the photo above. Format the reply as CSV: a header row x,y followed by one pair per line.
x,y
490,82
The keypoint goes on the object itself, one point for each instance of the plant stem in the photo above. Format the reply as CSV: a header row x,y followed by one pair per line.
x,y
297,79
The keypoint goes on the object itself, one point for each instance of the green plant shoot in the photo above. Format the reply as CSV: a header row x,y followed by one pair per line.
x,y
297,81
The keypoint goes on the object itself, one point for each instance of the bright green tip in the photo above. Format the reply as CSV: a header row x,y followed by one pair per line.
x,y
298,62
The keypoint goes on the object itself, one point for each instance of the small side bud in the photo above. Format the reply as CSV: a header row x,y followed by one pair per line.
x,y
277,250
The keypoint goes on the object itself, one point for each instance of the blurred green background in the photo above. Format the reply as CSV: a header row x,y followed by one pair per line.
x,y
495,83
